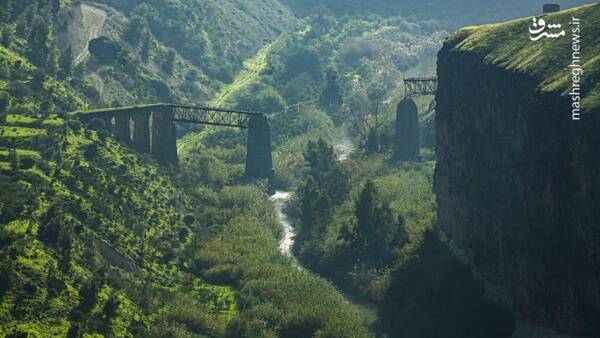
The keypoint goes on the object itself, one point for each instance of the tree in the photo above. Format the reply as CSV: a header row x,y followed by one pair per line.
x,y
315,212
327,170
13,158
372,144
53,63
88,294
7,275
7,36
78,75
66,63
39,42
97,124
267,100
4,103
331,98
135,30
111,306
58,230
365,112
169,63
55,6
146,45
5,11
271,101
327,186
47,107
21,27
376,227
401,237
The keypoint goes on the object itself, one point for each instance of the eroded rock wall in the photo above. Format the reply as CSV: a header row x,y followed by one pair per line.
x,y
518,188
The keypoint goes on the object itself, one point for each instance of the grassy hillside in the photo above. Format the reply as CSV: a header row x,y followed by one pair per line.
x,y
214,37
71,222
547,60
29,89
96,239
158,51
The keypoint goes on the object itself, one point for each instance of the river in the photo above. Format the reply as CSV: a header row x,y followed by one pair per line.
x,y
343,146
279,200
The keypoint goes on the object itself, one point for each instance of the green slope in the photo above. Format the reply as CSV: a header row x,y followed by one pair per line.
x,y
547,60
78,232
248,76
97,240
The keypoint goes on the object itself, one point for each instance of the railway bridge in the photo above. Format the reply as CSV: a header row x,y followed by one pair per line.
x,y
151,129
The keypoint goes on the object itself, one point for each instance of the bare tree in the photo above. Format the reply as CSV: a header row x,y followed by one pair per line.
x,y
365,111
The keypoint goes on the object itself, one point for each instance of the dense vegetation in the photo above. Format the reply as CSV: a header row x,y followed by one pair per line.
x,y
96,239
85,252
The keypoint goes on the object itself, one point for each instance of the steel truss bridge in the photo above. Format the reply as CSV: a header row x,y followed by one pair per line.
x,y
418,86
212,116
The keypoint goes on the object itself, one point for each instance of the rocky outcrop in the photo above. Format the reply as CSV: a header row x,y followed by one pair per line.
x,y
517,180
104,49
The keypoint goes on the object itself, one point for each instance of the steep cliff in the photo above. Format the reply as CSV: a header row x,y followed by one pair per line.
x,y
517,179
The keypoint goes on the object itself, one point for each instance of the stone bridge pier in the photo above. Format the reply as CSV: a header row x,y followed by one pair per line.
x,y
259,163
147,132
406,140
141,133
164,138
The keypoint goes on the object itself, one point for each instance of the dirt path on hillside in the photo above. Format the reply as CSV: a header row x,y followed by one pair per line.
x,y
252,69
93,21
247,76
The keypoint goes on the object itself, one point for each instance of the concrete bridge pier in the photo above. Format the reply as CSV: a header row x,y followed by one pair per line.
x,y
406,140
141,132
164,142
259,163
122,129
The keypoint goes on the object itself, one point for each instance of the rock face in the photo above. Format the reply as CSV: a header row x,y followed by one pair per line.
x,y
406,142
518,182
103,48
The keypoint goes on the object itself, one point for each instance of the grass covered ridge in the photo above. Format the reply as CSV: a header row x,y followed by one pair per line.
x,y
508,45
